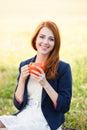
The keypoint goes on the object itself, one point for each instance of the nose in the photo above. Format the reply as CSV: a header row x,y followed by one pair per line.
x,y
45,41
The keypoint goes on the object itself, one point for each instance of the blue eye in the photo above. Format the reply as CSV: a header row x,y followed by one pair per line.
x,y
51,39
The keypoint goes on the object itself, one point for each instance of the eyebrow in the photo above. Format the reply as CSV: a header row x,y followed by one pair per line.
x,y
44,35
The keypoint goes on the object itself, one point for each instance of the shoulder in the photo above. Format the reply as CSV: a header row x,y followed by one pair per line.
x,y
63,67
27,61
63,64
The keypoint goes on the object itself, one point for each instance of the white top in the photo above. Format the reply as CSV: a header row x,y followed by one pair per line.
x,y
34,90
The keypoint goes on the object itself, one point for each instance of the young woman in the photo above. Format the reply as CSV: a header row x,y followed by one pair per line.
x,y
43,96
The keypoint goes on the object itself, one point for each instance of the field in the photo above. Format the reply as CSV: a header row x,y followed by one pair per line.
x,y
15,47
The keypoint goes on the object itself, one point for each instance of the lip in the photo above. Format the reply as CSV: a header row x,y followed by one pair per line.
x,y
44,47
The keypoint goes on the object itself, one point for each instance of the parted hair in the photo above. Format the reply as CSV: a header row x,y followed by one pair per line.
x,y
51,64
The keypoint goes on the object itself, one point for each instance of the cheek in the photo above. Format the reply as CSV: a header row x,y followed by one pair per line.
x,y
38,41
52,45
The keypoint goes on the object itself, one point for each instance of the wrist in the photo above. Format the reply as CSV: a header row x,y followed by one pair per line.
x,y
18,99
46,85
22,79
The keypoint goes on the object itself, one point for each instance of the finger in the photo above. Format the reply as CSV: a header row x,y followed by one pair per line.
x,y
40,69
34,76
24,68
34,72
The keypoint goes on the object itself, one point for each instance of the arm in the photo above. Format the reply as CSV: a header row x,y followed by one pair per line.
x,y
52,93
61,98
20,89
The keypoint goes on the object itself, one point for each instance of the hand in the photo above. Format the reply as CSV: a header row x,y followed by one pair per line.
x,y
24,72
39,76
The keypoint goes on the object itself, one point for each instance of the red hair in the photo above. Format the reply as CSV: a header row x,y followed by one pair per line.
x,y
52,61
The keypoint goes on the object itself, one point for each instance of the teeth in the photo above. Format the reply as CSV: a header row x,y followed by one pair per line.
x,y
44,46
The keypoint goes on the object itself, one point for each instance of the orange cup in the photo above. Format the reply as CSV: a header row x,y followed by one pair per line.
x,y
32,66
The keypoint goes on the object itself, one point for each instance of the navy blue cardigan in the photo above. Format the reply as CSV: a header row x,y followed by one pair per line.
x,y
62,84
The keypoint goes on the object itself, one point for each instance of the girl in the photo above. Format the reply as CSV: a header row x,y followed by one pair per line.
x,y
44,96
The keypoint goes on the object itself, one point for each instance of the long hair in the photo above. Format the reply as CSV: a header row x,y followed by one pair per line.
x,y
52,62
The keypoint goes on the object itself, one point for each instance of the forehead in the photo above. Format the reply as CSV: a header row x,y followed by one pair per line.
x,y
46,31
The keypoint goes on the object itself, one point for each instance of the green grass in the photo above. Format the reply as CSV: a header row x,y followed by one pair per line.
x,y
7,84
77,116
73,50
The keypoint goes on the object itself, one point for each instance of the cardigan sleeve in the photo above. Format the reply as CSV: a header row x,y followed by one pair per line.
x,y
64,90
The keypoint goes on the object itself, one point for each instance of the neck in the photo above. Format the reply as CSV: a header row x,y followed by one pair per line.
x,y
41,58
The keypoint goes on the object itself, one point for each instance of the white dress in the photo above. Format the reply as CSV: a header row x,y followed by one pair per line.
x,y
31,118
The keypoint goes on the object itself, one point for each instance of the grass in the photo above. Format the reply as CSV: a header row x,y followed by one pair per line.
x,y
77,116
73,50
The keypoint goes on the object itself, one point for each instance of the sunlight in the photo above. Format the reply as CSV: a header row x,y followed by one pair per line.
x,y
19,18
22,15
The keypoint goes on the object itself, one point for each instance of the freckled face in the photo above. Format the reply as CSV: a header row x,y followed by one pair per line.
x,y
45,41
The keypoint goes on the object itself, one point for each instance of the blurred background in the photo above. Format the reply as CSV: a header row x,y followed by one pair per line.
x,y
18,20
